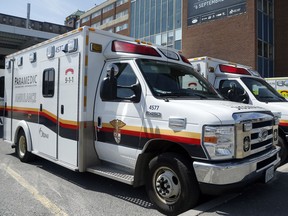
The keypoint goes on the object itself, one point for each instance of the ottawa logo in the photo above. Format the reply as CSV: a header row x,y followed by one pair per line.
x,y
42,134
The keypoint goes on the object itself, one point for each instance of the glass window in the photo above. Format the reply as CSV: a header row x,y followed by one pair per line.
x,y
170,14
95,25
48,84
265,50
178,34
232,90
178,14
2,87
107,20
259,5
147,16
152,17
121,27
121,14
164,39
132,20
142,19
164,16
108,8
260,48
178,44
170,38
158,39
265,7
166,79
125,79
97,13
158,16
137,20
259,25
85,19
120,2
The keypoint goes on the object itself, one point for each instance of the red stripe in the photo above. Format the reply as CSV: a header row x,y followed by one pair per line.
x,y
285,124
179,139
68,126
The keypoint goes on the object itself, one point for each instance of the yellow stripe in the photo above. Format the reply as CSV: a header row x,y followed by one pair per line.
x,y
68,122
86,60
185,134
52,207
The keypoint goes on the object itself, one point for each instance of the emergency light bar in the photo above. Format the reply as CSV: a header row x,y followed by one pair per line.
x,y
233,70
121,46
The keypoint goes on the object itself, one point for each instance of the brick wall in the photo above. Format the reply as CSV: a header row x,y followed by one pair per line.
x,y
231,38
281,38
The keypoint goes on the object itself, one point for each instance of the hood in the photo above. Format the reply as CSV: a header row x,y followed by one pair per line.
x,y
278,107
206,111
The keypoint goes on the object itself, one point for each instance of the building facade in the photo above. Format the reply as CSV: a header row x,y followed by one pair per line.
x,y
112,15
250,32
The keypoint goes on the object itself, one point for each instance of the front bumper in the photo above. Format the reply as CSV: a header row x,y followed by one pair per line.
x,y
236,172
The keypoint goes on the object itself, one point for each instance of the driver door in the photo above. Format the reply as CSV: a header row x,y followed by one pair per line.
x,y
119,116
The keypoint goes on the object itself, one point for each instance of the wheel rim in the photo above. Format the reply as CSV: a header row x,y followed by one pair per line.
x,y
166,185
22,146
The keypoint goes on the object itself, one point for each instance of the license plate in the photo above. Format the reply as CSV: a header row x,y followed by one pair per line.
x,y
269,174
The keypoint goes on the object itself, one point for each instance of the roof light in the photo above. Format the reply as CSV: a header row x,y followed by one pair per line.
x,y
32,57
184,59
50,52
169,54
120,46
8,64
20,61
72,45
233,70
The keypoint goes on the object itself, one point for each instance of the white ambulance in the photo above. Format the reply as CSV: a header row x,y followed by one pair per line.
x,y
240,83
280,84
98,102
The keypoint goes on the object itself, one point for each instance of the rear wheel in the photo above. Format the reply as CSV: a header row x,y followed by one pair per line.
x,y
171,184
21,148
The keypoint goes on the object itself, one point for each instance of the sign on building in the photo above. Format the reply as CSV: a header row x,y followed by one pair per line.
x,y
200,11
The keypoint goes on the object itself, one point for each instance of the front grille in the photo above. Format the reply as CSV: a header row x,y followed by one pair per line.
x,y
256,140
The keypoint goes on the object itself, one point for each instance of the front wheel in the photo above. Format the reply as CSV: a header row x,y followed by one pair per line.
x,y
171,185
21,148
283,151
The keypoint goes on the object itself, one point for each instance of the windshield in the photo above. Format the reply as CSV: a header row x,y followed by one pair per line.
x,y
262,90
170,80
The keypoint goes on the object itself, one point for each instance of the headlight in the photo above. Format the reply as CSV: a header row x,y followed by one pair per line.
x,y
219,142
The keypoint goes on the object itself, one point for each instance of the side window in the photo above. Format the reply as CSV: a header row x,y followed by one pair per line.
x,y
120,84
48,84
125,79
2,87
233,91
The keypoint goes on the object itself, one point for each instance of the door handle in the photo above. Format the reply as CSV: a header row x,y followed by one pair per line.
x,y
99,122
62,109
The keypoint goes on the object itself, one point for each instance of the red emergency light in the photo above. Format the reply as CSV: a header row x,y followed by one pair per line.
x,y
184,59
121,46
233,70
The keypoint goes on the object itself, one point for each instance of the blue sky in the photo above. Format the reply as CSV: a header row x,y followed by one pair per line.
x,y
54,11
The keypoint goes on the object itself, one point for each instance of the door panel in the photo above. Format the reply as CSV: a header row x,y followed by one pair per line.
x,y
68,108
48,108
119,119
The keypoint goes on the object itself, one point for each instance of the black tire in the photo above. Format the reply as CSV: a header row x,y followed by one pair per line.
x,y
283,151
21,148
171,184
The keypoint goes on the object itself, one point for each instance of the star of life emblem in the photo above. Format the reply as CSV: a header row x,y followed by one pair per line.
x,y
117,125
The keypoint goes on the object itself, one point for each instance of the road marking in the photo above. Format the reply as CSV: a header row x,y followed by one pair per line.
x,y
54,209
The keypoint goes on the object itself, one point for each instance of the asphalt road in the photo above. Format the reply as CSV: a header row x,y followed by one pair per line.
x,y
44,188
